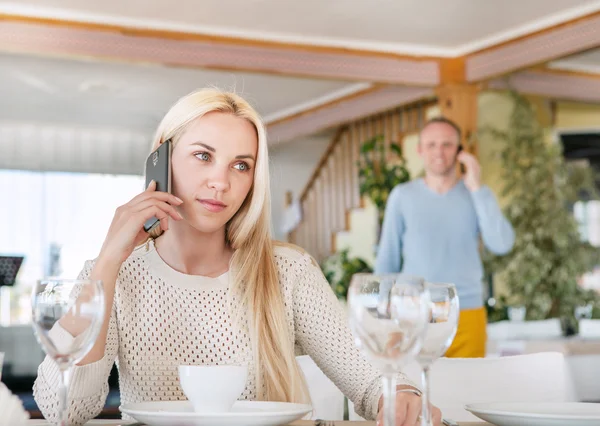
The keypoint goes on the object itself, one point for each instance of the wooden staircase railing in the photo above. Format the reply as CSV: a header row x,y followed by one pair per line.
x,y
332,191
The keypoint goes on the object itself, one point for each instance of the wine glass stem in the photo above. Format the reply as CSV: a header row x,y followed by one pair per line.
x,y
389,399
64,395
425,411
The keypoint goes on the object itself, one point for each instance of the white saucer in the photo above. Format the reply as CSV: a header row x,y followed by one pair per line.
x,y
243,413
538,413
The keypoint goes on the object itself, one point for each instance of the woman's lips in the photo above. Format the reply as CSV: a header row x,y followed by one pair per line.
x,y
213,206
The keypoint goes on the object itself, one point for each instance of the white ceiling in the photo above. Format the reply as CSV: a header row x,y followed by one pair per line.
x,y
587,62
434,27
133,96
128,100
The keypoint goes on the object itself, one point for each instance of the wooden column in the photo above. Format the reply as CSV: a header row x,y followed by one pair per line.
x,y
458,101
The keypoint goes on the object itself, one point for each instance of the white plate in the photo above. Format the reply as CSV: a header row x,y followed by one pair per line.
x,y
243,413
538,413
94,422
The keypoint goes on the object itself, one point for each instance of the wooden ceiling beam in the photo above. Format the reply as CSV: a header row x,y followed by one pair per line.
x,y
353,107
553,84
556,42
565,73
130,44
397,79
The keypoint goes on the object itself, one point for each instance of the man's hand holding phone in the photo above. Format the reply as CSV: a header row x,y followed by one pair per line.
x,y
472,176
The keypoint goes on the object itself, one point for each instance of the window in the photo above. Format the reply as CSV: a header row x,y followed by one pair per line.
x,y
71,212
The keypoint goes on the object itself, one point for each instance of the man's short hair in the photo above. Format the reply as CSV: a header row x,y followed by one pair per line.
x,y
445,121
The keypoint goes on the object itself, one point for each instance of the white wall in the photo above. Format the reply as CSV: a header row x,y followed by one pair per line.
x,y
291,166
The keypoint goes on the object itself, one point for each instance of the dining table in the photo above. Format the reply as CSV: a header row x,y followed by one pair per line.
x,y
296,423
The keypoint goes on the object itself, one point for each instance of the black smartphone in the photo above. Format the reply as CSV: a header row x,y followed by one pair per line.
x,y
461,166
158,168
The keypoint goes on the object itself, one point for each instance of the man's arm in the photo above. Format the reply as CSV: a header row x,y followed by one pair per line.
x,y
496,231
389,252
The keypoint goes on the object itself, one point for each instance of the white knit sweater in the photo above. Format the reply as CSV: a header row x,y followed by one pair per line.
x,y
162,318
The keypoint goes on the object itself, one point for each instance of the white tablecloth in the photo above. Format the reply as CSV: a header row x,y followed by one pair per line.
x,y
582,354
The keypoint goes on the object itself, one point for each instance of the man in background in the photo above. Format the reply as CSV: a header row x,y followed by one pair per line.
x,y
432,228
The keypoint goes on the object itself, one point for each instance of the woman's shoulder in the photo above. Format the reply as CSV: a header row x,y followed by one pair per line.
x,y
300,276
292,257
290,251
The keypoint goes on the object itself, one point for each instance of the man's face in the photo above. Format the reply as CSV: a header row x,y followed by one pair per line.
x,y
438,147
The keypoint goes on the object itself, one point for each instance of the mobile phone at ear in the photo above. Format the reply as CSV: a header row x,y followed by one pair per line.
x,y
461,166
158,168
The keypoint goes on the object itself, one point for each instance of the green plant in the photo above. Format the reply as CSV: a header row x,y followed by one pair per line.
x,y
377,174
338,270
548,257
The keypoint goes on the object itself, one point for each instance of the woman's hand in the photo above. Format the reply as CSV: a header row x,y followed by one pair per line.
x,y
127,228
408,410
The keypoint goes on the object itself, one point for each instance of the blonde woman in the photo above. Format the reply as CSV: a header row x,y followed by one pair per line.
x,y
211,287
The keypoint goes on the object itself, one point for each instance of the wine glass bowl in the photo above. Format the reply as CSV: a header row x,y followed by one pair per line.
x,y
67,316
443,321
441,330
388,316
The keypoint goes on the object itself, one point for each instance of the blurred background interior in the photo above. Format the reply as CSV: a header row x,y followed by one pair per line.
x,y
83,85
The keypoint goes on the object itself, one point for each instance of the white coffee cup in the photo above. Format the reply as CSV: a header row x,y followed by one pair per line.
x,y
213,388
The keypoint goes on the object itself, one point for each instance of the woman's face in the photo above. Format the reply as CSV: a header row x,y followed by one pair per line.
x,y
213,169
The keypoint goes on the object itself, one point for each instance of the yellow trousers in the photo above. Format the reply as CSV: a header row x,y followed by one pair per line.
x,y
471,336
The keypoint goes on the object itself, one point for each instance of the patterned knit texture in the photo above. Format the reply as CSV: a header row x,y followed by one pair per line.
x,y
162,318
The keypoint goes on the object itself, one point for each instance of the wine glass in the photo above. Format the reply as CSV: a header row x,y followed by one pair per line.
x,y
67,317
443,322
388,316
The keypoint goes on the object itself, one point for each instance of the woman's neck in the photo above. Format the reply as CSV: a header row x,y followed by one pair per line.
x,y
192,252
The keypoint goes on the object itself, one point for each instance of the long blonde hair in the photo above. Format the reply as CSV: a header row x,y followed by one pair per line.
x,y
253,270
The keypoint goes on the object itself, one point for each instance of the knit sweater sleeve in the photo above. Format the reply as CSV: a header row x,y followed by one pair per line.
x,y
323,332
89,383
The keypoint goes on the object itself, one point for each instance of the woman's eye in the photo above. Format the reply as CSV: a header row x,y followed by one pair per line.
x,y
242,167
204,156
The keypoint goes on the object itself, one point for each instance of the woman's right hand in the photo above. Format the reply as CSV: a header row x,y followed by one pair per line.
x,y
127,227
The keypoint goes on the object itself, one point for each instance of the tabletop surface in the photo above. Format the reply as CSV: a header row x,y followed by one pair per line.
x,y
296,423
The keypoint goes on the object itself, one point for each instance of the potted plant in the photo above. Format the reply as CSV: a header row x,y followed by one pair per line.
x,y
338,270
548,257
